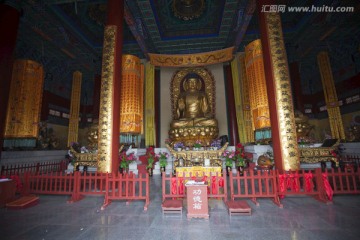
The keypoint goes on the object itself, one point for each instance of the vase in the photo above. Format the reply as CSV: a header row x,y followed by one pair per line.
x,y
123,170
240,170
162,170
228,170
150,171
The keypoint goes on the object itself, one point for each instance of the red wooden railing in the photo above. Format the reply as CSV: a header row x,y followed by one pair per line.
x,y
77,185
174,187
253,185
350,162
44,167
303,182
344,182
50,183
127,187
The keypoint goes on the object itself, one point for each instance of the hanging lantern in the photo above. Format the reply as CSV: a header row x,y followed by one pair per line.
x,y
23,112
131,95
257,85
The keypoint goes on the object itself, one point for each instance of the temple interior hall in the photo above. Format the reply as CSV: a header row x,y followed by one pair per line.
x,y
185,119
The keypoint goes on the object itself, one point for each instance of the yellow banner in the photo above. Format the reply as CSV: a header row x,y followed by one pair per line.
x,y
74,108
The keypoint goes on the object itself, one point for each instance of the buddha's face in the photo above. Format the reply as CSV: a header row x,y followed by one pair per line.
x,y
192,82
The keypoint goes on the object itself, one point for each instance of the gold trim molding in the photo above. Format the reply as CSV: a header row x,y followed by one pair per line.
x,y
192,60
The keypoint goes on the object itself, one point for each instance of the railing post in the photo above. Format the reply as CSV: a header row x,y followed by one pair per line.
x,y
26,185
37,168
226,198
320,185
76,188
107,185
147,201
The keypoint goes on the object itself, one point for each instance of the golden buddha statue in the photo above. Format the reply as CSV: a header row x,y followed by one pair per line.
x,y
303,127
192,108
193,118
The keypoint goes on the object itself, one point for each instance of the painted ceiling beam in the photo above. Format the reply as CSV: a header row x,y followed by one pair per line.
x,y
73,1
249,12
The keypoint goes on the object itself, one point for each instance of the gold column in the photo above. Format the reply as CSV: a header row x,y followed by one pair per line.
x,y
150,128
131,112
254,65
244,85
74,108
104,158
331,99
284,109
24,106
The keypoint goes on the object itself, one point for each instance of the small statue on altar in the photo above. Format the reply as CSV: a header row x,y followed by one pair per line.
x,y
92,136
303,127
192,106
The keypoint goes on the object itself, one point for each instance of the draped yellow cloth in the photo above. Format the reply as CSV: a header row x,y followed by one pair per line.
x,y
241,96
150,129
238,100
245,96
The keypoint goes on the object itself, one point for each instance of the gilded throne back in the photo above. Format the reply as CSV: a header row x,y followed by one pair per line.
x,y
193,107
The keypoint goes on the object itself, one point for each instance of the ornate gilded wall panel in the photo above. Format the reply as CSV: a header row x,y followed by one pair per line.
x,y
25,98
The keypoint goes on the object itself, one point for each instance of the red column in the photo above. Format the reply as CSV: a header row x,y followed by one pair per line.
x,y
296,86
270,85
9,23
233,128
116,17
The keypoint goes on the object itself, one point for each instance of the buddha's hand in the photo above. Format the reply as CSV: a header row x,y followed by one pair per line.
x,y
181,104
